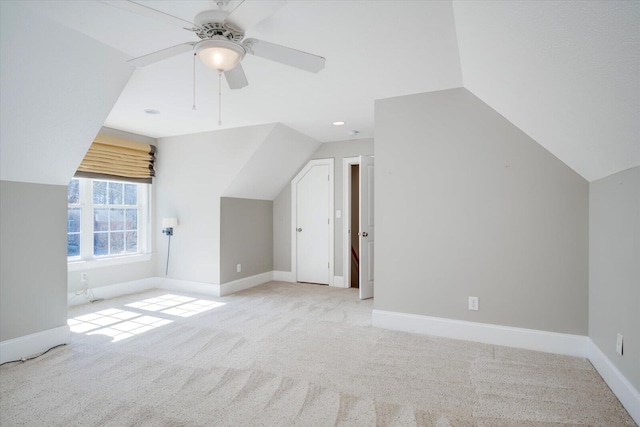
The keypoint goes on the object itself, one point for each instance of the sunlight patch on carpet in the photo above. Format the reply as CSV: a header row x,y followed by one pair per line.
x,y
121,324
115,323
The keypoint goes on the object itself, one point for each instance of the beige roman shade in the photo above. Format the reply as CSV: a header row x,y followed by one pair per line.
x,y
118,159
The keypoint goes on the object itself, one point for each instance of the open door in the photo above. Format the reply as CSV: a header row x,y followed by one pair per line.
x,y
367,235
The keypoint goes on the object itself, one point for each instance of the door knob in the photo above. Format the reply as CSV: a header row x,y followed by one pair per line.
x,y
365,234
298,230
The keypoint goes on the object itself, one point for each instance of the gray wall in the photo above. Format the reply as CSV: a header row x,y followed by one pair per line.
x,y
282,226
246,237
33,258
468,205
614,268
282,230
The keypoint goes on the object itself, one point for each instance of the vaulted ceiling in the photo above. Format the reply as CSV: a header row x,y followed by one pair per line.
x,y
566,73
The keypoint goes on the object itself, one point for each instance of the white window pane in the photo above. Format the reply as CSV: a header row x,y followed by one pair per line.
x,y
73,244
115,193
130,194
101,243
99,192
116,219
73,220
73,192
100,219
131,222
132,241
116,243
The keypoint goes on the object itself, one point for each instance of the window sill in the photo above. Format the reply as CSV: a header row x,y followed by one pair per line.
x,y
106,262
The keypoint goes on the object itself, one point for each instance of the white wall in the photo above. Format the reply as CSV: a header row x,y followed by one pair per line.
x,y
58,86
468,205
192,173
614,268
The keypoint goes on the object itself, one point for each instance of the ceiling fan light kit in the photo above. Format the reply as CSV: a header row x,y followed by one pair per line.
x,y
219,53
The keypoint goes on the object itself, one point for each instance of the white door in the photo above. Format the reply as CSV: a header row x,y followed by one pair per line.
x,y
312,228
367,236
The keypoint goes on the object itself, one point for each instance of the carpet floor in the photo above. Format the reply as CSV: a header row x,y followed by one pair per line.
x,y
287,354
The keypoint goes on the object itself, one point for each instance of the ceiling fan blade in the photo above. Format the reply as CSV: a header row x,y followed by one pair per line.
x,y
161,54
148,11
285,55
249,13
236,77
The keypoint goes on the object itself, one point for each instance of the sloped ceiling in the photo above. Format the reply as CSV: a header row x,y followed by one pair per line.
x,y
55,95
272,165
567,73
374,49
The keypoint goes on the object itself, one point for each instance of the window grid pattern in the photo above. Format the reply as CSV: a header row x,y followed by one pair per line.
x,y
115,218
105,219
74,219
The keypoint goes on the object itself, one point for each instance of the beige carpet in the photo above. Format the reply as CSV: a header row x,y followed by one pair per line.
x,y
287,354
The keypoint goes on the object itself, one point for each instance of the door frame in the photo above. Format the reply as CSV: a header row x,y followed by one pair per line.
x,y
294,216
347,162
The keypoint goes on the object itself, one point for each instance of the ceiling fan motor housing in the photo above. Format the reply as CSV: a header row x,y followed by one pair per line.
x,y
211,23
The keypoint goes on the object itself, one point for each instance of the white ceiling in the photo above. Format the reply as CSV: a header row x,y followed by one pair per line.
x,y
50,114
566,73
373,49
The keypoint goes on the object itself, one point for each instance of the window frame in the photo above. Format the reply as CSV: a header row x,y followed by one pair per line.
x,y
86,259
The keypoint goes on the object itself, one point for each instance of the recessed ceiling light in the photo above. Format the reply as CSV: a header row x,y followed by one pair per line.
x,y
338,123
151,111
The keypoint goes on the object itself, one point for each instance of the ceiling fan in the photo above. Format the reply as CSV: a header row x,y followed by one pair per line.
x,y
222,45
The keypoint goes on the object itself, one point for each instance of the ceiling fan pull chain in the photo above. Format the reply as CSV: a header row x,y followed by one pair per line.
x,y
219,98
194,81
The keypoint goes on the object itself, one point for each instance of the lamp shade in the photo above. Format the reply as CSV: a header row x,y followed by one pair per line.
x,y
169,222
220,54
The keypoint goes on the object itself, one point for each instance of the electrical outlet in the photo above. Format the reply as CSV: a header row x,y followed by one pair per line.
x,y
239,268
83,277
619,348
473,303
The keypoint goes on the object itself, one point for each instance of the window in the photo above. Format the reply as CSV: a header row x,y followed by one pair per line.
x,y
106,219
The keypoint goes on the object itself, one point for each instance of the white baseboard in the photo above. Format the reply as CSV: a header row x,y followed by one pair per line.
x,y
245,283
32,344
126,288
209,289
621,387
338,281
113,291
284,276
530,339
